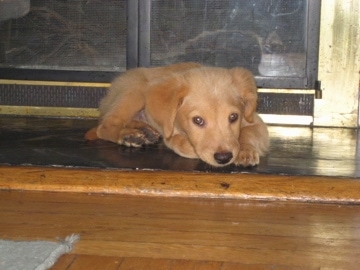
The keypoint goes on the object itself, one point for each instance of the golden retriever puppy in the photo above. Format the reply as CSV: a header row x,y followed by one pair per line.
x,y
200,112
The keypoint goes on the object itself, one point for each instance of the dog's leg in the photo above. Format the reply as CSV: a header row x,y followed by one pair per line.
x,y
115,120
137,133
254,142
181,145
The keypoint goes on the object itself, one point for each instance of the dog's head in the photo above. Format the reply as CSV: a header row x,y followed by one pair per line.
x,y
208,106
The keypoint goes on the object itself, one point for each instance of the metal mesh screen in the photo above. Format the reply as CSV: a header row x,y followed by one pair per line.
x,y
72,35
51,95
89,97
267,37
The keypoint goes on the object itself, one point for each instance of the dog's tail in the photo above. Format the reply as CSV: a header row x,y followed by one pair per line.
x,y
91,134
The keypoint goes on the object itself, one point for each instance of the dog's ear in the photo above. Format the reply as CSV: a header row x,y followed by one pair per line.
x,y
163,101
244,81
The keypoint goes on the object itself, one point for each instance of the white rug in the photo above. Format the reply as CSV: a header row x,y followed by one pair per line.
x,y
33,255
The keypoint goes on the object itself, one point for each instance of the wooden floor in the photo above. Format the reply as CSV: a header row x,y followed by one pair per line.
x,y
148,208
142,232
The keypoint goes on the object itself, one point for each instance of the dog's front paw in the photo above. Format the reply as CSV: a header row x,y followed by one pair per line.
x,y
138,137
248,156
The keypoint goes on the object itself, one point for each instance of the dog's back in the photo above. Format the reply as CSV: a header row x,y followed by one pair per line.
x,y
137,80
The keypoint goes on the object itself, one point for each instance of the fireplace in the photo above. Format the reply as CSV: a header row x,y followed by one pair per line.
x,y
92,41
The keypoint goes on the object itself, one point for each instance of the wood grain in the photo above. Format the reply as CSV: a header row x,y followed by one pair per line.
x,y
121,231
96,262
183,184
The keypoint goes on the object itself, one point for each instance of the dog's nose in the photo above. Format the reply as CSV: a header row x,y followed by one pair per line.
x,y
223,157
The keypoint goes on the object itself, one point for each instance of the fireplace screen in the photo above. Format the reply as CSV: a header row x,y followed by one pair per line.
x,y
277,40
265,36
271,38
65,35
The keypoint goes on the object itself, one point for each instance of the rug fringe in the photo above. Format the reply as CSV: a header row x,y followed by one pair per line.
x,y
65,247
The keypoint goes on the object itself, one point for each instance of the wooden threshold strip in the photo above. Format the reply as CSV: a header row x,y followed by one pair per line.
x,y
183,184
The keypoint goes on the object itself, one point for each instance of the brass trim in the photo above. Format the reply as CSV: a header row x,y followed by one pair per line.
x,y
55,83
287,91
49,111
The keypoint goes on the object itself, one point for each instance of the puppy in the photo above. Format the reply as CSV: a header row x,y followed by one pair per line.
x,y
200,112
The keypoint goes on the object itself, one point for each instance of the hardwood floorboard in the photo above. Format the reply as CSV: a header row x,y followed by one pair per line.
x,y
120,231
145,263
64,262
195,265
94,262
237,266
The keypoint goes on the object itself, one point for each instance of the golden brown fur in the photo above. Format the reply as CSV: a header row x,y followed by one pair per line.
x,y
200,112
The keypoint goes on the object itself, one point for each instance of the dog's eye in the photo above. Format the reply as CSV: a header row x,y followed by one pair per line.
x,y
198,121
233,117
